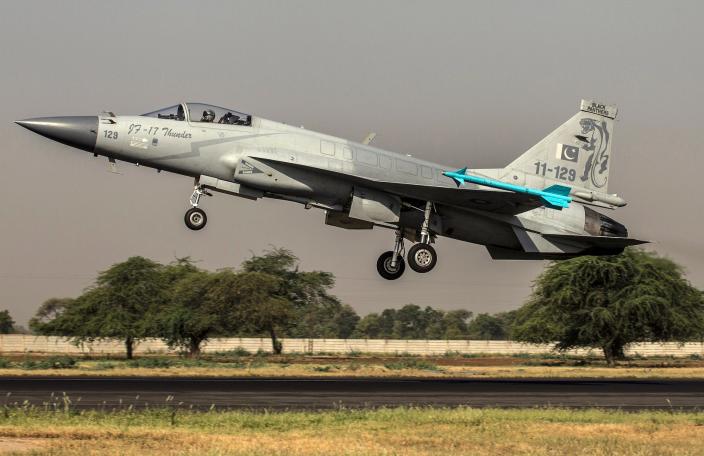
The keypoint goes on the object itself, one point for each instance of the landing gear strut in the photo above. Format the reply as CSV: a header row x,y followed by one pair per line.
x,y
390,265
195,217
422,257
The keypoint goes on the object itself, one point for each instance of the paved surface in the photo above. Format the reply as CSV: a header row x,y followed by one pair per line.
x,y
306,393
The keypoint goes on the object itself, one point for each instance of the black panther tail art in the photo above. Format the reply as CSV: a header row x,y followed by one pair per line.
x,y
597,163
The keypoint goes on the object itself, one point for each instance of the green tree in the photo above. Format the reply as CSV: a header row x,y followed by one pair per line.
x,y
314,311
7,324
177,270
369,327
127,292
260,297
187,317
191,315
455,324
118,306
344,321
409,323
387,321
434,324
412,322
609,302
48,312
491,327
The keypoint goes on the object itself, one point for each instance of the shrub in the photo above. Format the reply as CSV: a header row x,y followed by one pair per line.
x,y
52,362
59,362
150,363
325,368
239,351
412,364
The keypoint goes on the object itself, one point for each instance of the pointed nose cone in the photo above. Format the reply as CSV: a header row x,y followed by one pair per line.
x,y
74,131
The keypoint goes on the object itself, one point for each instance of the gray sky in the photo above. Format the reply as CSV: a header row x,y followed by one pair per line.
x,y
457,83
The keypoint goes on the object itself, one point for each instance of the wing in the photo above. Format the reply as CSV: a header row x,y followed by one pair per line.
x,y
479,198
498,201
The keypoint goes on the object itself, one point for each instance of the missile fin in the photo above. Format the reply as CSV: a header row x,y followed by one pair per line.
x,y
558,190
452,175
554,202
458,181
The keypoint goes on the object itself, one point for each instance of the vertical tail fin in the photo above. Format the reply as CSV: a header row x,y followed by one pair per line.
x,y
577,153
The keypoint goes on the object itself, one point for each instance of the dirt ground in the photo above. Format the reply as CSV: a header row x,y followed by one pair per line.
x,y
9,445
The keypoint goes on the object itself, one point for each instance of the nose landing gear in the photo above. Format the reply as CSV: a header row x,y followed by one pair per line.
x,y
195,217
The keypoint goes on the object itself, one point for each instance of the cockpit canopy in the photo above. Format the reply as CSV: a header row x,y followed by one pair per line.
x,y
199,112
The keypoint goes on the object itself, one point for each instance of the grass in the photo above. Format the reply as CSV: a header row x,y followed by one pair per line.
x,y
413,364
401,431
238,364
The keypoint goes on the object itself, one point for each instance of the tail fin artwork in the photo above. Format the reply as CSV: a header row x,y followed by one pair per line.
x,y
577,153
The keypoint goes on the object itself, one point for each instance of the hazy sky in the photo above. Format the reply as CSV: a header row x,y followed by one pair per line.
x,y
460,83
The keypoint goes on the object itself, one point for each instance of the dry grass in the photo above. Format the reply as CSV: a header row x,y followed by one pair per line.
x,y
88,368
347,432
359,365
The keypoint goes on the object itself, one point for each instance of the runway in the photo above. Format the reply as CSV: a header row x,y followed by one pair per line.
x,y
330,393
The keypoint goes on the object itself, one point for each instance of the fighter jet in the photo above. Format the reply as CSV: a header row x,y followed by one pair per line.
x,y
543,205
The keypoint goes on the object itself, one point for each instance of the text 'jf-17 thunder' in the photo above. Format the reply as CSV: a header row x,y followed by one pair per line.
x,y
543,205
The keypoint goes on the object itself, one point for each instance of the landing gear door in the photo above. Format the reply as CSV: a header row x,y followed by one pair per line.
x,y
375,206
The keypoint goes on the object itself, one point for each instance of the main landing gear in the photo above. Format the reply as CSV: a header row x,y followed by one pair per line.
x,y
421,257
195,217
390,265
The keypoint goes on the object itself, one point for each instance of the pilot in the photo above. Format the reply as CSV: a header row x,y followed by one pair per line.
x,y
229,118
180,114
208,116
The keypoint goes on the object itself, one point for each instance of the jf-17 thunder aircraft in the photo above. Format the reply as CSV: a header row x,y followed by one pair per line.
x,y
543,205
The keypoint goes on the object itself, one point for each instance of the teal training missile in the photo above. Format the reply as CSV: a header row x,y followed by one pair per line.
x,y
554,197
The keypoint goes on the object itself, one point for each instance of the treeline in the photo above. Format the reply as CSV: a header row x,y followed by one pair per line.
x,y
413,322
267,296
606,302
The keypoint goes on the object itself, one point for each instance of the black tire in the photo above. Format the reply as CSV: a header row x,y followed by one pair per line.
x,y
195,218
384,268
422,258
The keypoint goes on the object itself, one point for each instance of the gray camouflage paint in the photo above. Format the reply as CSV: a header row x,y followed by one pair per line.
x,y
271,159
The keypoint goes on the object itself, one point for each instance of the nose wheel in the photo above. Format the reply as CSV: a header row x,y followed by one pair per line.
x,y
195,217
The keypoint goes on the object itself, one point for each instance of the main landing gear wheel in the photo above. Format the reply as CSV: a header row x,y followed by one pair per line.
x,y
422,257
195,218
383,266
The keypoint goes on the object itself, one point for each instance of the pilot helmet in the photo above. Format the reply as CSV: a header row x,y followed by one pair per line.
x,y
208,115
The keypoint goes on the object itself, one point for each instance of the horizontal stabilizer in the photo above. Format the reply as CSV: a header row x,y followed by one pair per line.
x,y
607,242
